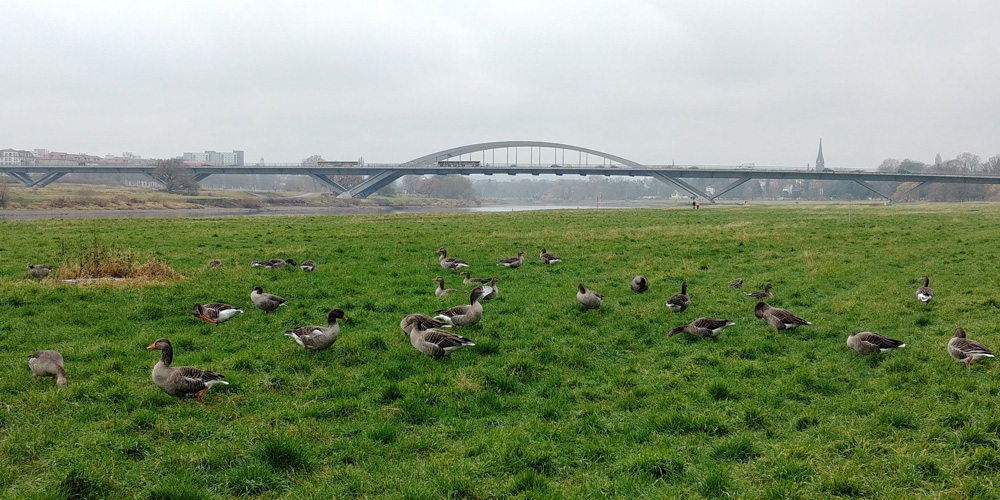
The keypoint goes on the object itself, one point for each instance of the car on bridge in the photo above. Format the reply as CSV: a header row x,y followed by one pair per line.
x,y
459,164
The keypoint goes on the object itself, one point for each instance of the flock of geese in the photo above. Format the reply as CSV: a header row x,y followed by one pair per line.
x,y
431,335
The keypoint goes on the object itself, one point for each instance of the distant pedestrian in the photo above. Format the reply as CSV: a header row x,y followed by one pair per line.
x,y
694,204
697,205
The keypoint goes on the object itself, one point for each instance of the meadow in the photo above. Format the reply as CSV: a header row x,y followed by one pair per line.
x,y
553,401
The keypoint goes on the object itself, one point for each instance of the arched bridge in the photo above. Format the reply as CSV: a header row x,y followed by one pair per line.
x,y
377,176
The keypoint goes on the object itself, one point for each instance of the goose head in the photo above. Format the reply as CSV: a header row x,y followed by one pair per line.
x,y
760,309
334,315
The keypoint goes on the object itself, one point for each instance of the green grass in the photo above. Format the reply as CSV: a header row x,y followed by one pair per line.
x,y
553,401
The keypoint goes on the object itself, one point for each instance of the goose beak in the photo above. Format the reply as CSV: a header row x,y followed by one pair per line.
x,y
151,346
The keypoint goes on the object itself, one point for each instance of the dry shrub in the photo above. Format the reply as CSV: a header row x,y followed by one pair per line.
x,y
96,261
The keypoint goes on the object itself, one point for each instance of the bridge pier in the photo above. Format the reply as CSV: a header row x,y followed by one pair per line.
x,y
683,185
735,184
371,184
866,186
908,191
23,178
337,188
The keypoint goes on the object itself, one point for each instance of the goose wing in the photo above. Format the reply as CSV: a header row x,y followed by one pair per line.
x,y
877,341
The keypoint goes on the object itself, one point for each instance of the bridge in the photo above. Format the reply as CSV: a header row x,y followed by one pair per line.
x,y
376,176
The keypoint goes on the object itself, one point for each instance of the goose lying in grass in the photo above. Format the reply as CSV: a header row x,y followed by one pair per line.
x,y
469,280
737,285
424,321
465,315
766,294
441,291
308,266
256,263
869,342
703,328
47,364
780,319
432,342
548,258
181,381
215,312
38,270
639,284
588,298
279,264
513,262
317,338
214,263
924,293
448,262
265,301
679,301
966,350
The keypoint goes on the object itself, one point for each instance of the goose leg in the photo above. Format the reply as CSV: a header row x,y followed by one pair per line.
x,y
968,362
34,379
200,393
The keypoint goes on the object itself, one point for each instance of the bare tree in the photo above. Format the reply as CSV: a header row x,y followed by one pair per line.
x,y
175,176
4,192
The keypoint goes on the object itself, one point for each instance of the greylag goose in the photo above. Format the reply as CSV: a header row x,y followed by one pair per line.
x,y
513,262
465,315
780,319
279,264
702,328
47,364
432,342
492,294
426,322
181,381
441,291
214,263
308,265
448,262
965,350
469,280
548,258
256,263
588,298
737,285
318,338
265,301
924,293
679,301
766,294
215,312
869,342
38,270
639,284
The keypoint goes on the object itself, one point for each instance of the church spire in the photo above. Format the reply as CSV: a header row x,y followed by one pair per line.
x,y
820,162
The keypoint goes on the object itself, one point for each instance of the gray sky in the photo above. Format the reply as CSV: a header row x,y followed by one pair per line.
x,y
705,82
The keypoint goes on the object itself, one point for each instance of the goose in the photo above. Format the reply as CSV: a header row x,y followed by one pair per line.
x,y
448,262
318,338
639,284
465,315
214,263
47,364
588,298
493,293
548,258
737,285
924,293
215,312
780,319
441,291
513,262
702,328
869,342
425,322
966,350
679,301
308,265
181,381
256,263
279,264
432,342
38,270
265,301
766,294
469,280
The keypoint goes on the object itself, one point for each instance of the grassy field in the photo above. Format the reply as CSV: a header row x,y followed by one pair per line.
x,y
553,401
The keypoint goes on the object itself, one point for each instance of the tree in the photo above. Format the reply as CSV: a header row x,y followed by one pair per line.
x,y
175,176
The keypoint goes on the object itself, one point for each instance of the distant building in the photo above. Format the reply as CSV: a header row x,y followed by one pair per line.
x,y
16,157
234,158
57,158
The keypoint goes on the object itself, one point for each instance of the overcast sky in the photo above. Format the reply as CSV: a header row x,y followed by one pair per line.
x,y
695,82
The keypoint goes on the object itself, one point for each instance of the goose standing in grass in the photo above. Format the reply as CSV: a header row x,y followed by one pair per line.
x,y
924,293
317,338
47,364
679,301
588,298
469,280
639,284
441,291
492,294
308,266
215,312
214,263
766,294
180,381
38,270
513,262
433,342
966,350
265,301
465,315
448,262
869,342
780,319
737,285
424,321
548,258
703,328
